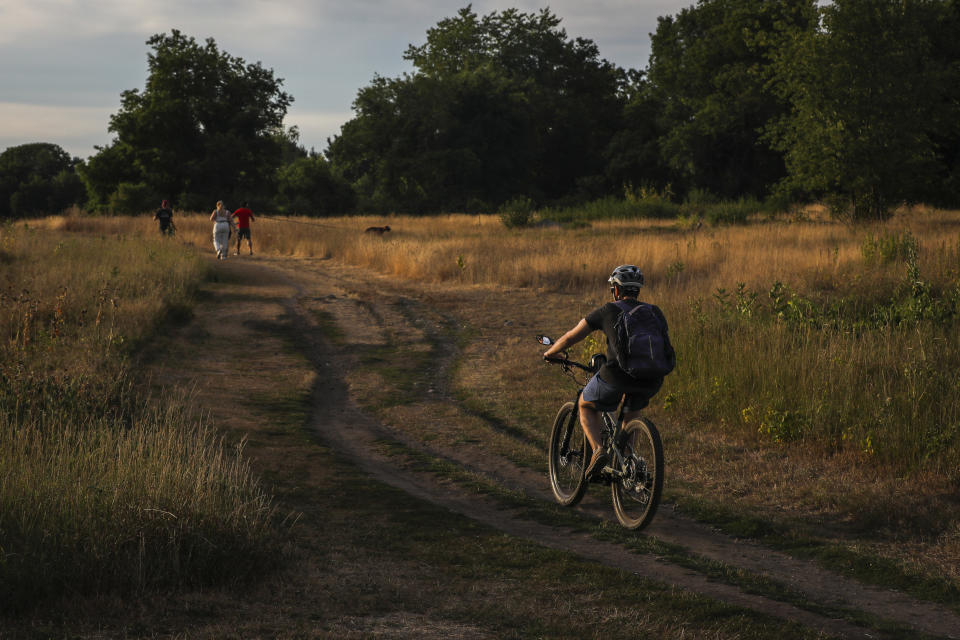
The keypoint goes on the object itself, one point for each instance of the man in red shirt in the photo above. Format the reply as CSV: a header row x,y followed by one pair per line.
x,y
243,216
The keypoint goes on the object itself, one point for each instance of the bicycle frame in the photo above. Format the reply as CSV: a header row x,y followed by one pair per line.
x,y
612,424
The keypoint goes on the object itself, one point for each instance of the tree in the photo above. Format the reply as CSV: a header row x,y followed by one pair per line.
x,y
943,63
38,179
499,106
206,126
866,95
307,186
633,157
709,71
419,144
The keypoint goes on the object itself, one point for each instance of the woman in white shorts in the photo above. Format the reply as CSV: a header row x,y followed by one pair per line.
x,y
221,230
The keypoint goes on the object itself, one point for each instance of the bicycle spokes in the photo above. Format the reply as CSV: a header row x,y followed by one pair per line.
x,y
636,478
567,452
636,490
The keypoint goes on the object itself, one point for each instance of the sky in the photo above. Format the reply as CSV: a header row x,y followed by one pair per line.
x,y
64,63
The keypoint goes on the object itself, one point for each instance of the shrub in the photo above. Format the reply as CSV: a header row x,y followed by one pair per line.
x,y
517,213
889,247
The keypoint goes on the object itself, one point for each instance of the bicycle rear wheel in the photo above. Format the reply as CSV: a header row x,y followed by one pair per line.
x,y
636,494
568,453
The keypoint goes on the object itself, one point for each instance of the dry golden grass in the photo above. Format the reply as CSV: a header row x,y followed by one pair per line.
x,y
470,249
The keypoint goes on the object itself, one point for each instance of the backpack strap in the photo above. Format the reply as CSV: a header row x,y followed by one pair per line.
x,y
625,309
659,316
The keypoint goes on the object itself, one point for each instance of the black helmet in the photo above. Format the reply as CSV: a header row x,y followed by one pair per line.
x,y
627,277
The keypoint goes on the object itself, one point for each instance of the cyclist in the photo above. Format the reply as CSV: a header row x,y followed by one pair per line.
x,y
605,389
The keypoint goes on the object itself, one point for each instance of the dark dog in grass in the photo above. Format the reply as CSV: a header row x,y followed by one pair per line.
x,y
377,230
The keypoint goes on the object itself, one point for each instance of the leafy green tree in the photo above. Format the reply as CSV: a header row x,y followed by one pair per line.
x,y
104,171
866,91
633,157
498,106
709,71
307,186
205,127
943,63
38,179
419,144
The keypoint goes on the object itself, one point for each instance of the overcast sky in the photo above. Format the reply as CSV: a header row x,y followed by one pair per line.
x,y
64,63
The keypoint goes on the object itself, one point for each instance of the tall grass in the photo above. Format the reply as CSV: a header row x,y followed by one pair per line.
x,y
101,488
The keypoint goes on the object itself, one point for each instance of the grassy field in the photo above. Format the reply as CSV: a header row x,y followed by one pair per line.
x,y
103,488
793,330
819,354
815,377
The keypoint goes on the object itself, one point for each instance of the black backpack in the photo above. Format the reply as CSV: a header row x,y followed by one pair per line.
x,y
642,345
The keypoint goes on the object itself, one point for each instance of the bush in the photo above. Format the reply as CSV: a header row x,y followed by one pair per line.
x,y
612,207
517,213
701,205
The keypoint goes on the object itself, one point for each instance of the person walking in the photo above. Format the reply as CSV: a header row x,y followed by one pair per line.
x,y
222,221
244,215
164,216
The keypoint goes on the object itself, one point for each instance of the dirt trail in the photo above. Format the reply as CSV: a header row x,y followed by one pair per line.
x,y
314,291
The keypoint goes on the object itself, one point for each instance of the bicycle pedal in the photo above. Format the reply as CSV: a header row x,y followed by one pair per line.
x,y
603,476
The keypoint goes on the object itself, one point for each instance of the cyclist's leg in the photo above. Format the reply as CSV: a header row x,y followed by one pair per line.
x,y
591,422
597,396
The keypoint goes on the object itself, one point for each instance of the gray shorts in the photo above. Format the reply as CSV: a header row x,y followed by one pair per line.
x,y
606,397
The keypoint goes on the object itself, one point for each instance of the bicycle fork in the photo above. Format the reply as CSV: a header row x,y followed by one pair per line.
x,y
568,432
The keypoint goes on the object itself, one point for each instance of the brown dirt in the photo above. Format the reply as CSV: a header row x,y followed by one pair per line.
x,y
255,297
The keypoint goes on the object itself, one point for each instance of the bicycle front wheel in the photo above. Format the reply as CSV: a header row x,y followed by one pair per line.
x,y
568,453
636,490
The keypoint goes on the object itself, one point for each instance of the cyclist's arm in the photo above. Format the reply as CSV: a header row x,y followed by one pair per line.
x,y
570,338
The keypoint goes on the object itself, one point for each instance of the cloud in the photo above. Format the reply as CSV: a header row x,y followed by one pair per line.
x,y
76,129
268,23
83,53
316,126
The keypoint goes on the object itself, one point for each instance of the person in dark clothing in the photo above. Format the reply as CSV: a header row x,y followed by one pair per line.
x,y
605,389
164,216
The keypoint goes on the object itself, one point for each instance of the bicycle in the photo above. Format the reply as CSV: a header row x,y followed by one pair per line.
x,y
636,463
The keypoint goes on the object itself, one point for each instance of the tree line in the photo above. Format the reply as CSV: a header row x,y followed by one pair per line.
x,y
855,103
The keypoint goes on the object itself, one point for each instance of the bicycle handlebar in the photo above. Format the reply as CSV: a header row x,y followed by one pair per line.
x,y
564,362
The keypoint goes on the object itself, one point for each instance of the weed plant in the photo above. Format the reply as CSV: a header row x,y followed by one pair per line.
x,y
102,489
